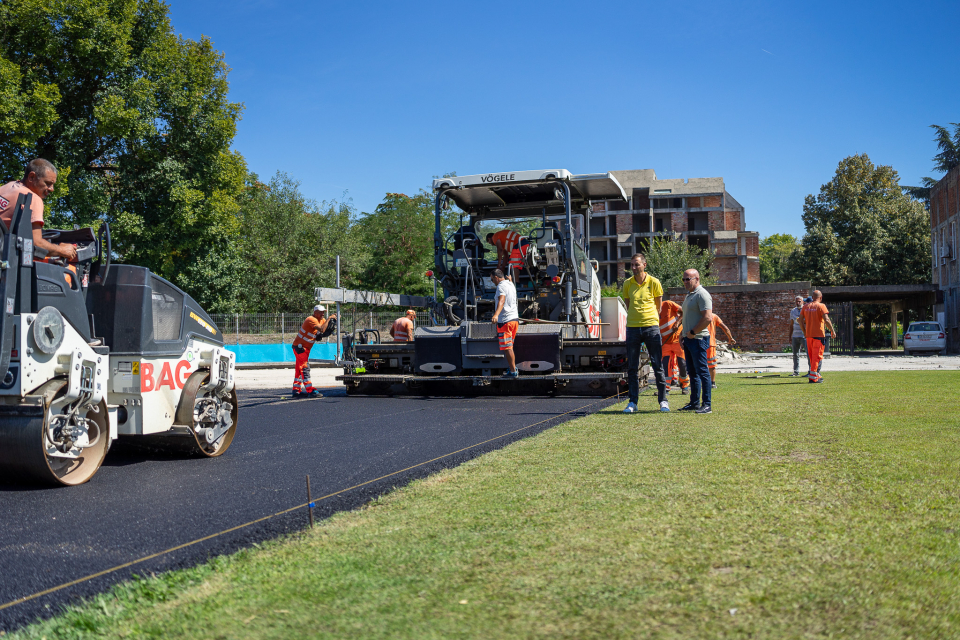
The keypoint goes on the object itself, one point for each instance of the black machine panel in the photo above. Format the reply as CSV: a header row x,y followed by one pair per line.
x,y
138,312
54,286
438,350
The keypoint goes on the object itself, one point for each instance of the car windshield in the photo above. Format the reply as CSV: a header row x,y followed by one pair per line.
x,y
924,326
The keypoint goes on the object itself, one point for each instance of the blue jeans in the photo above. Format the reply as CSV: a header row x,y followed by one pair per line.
x,y
637,337
696,352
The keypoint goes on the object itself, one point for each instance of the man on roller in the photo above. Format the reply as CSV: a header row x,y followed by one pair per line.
x,y
814,318
402,329
314,329
39,178
671,315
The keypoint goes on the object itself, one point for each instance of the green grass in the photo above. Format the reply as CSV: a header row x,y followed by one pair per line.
x,y
793,511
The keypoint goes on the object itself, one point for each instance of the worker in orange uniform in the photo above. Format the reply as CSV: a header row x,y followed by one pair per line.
x,y
670,316
712,351
314,329
504,240
402,329
814,318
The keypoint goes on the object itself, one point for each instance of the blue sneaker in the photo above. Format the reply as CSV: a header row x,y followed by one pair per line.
x,y
511,374
664,406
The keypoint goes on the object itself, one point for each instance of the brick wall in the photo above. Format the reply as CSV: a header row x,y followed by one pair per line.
x,y
624,224
731,221
758,314
726,269
712,201
753,271
753,246
693,203
678,222
715,220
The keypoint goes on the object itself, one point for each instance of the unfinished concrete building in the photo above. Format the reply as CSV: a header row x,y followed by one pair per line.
x,y
699,209
944,219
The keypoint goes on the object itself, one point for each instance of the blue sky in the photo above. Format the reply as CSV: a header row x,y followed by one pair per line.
x,y
366,98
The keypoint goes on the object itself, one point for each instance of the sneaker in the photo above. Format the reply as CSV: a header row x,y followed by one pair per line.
x,y
685,391
689,407
631,408
664,406
704,409
713,385
311,394
511,374
817,381
794,374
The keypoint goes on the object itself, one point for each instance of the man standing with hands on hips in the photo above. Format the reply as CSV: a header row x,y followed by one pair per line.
x,y
506,319
643,295
697,315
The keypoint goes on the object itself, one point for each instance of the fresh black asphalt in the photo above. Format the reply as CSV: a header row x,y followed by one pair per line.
x,y
141,503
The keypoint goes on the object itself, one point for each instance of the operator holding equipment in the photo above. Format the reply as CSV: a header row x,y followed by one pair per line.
x,y
39,178
712,351
504,240
314,329
402,329
506,320
671,315
643,294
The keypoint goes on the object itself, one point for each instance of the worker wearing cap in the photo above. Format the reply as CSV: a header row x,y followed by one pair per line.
x,y
716,322
671,315
402,329
314,329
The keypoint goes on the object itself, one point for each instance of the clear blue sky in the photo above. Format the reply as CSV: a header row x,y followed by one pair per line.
x,y
375,97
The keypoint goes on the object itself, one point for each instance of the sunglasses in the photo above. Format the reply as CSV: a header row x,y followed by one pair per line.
x,y
688,279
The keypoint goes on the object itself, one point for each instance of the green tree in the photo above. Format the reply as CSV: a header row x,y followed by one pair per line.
x,y
669,255
776,252
289,246
947,159
136,119
862,229
398,237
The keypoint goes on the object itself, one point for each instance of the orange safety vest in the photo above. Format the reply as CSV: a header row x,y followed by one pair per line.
x,y
400,331
308,332
506,239
669,314
518,255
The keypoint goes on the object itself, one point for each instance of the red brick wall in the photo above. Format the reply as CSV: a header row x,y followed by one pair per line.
x,y
753,271
753,247
678,222
624,224
758,315
731,221
712,201
715,221
692,203
726,270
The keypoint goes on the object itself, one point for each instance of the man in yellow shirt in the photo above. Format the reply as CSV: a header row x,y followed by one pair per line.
x,y
643,295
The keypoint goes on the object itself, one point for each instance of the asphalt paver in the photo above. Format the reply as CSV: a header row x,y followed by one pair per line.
x,y
141,503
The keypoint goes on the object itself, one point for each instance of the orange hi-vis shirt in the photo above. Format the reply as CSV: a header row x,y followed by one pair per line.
x,y
402,329
712,329
669,317
308,332
814,314
506,239
8,200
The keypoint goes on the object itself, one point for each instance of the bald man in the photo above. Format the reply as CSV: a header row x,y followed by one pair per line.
x,y
39,179
697,316
814,318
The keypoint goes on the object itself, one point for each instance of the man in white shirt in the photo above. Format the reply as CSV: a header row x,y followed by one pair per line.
x,y
796,334
505,319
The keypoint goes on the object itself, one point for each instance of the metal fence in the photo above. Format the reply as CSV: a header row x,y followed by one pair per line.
x,y
272,328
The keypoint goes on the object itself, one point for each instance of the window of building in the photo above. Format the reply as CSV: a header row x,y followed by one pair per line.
x,y
641,223
667,203
663,190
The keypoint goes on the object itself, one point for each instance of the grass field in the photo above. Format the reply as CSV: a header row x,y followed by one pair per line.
x,y
793,511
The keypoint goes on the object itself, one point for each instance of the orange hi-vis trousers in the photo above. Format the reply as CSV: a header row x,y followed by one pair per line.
x,y
301,375
673,360
814,355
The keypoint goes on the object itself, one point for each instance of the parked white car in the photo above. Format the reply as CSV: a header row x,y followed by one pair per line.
x,y
924,336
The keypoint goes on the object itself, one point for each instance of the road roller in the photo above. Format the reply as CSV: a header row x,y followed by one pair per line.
x,y
92,352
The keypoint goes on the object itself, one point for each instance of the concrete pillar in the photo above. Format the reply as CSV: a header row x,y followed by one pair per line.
x,y
893,327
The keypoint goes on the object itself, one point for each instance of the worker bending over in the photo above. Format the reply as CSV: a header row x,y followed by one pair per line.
x,y
671,315
712,351
402,329
814,317
314,329
505,241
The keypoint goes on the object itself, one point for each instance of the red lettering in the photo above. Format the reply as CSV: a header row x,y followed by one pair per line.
x,y
166,377
146,377
182,373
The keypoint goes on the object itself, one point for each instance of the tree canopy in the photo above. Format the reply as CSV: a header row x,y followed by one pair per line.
x,y
136,119
776,252
669,255
862,229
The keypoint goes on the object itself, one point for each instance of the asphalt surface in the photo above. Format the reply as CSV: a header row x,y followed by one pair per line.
x,y
143,503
